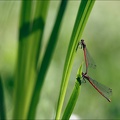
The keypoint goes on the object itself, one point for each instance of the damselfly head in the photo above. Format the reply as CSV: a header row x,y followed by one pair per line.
x,y
82,40
83,45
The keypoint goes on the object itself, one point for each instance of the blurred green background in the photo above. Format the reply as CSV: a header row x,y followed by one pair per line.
x,y
101,35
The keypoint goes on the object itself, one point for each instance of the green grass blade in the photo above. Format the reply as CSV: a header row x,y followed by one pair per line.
x,y
82,17
2,102
46,59
72,101
30,35
74,96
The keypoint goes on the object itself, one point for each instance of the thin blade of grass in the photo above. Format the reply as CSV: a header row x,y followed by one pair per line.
x,y
46,59
2,102
82,17
74,96
30,35
21,62
72,101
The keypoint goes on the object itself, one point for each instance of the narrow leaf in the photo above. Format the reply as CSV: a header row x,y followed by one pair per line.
x,y
30,36
2,102
74,96
82,17
46,59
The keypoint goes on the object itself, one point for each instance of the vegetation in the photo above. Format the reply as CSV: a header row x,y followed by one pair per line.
x,y
38,76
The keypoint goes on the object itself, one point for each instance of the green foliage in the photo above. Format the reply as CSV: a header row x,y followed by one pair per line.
x,y
28,81
29,74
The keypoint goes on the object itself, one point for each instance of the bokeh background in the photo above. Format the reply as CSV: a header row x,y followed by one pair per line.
x,y
101,34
